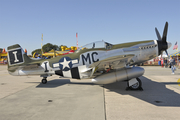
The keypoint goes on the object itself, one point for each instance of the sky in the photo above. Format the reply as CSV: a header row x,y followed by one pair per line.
x,y
115,21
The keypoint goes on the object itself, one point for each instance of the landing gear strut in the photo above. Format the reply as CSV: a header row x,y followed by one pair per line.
x,y
44,80
134,84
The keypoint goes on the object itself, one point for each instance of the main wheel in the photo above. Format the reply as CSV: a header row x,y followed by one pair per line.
x,y
136,86
44,81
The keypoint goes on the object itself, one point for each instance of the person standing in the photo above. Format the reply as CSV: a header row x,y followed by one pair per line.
x,y
174,63
162,62
171,62
165,62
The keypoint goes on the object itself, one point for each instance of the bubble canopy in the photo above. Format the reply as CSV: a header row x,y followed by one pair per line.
x,y
98,44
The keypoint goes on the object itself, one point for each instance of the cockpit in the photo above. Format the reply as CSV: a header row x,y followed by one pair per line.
x,y
98,44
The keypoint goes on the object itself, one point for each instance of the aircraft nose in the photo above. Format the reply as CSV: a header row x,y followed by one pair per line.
x,y
169,44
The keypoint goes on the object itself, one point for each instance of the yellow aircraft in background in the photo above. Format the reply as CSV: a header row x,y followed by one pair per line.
x,y
54,53
3,57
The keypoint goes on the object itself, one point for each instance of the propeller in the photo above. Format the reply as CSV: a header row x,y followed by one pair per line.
x,y
158,35
163,45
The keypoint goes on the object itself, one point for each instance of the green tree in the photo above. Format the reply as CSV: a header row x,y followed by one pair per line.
x,y
47,47
55,47
37,51
1,49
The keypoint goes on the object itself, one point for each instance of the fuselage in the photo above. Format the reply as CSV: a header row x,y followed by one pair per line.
x,y
102,62
82,59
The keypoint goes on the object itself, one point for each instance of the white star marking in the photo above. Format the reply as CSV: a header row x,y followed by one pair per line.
x,y
65,63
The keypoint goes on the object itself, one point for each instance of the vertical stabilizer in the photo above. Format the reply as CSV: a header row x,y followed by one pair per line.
x,y
16,55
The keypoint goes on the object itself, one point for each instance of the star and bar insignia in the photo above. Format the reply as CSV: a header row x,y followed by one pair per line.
x,y
65,63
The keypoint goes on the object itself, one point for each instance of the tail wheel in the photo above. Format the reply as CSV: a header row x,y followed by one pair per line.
x,y
136,86
44,81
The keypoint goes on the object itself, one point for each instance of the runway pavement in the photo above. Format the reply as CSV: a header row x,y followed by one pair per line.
x,y
25,98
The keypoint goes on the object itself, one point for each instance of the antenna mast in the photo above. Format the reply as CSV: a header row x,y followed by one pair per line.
x,y
77,39
42,43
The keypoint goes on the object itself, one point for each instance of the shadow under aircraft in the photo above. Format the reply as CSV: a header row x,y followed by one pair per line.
x,y
154,92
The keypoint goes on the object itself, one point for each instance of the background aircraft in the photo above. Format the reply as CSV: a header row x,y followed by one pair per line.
x,y
102,62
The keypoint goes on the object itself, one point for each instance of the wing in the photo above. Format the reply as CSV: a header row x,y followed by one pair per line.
x,y
110,63
115,62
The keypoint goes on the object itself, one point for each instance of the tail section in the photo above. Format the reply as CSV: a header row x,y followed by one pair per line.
x,y
17,56
19,64
16,59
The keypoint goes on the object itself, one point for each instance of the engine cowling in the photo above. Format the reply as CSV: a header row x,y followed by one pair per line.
x,y
119,75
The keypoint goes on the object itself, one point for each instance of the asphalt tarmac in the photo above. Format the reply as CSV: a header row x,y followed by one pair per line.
x,y
25,98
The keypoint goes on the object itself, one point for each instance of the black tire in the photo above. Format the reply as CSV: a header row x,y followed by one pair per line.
x,y
44,81
136,86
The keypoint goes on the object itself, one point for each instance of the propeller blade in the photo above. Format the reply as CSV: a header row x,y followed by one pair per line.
x,y
162,41
158,35
166,52
165,32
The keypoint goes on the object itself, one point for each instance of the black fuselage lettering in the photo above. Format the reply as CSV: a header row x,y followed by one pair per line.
x,y
89,58
86,59
46,70
94,53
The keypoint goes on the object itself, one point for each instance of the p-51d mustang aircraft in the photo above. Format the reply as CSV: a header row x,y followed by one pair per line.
x,y
102,62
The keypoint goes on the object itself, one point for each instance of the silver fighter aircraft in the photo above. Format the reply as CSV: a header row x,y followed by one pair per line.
x,y
102,62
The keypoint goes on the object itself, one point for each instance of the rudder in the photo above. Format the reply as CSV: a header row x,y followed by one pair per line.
x,y
15,55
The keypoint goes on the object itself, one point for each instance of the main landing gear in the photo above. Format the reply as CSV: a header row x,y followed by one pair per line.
x,y
134,84
44,80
